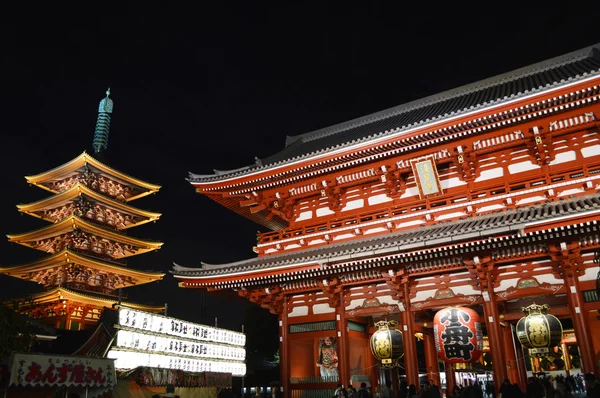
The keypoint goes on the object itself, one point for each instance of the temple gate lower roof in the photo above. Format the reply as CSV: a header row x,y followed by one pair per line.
x,y
525,223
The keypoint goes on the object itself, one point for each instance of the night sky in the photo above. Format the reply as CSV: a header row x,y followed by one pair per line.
x,y
213,87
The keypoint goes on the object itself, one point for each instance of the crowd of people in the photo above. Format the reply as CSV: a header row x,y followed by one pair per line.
x,y
587,386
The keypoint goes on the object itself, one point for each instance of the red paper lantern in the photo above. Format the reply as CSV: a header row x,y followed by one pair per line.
x,y
458,335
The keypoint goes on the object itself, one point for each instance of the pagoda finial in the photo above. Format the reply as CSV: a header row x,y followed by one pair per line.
x,y
103,124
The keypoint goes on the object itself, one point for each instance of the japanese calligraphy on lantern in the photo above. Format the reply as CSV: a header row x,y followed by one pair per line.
x,y
59,370
539,331
426,176
458,335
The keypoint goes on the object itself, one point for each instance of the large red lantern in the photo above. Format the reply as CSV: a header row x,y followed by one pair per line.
x,y
458,335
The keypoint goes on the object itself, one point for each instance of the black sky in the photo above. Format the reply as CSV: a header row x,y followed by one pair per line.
x,y
214,85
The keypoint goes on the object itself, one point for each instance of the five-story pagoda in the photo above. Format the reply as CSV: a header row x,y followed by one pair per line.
x,y
86,241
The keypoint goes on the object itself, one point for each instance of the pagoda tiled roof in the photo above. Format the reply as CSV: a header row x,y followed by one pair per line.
x,y
79,189
97,299
511,222
519,83
77,257
84,159
73,222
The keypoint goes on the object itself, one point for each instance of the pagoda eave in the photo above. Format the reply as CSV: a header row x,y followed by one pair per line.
x,y
62,293
83,159
79,190
66,257
74,223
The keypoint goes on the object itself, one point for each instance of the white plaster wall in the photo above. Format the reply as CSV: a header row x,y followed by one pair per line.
x,y
381,198
423,295
531,199
589,151
450,215
412,191
572,191
589,275
387,300
305,215
563,157
505,284
344,236
467,290
355,303
324,211
298,311
316,242
489,174
548,278
452,183
490,208
354,204
375,230
322,309
411,223
522,166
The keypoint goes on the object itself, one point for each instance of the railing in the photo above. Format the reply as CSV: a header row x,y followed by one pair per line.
x,y
418,205
590,296
323,393
313,386
313,379
312,327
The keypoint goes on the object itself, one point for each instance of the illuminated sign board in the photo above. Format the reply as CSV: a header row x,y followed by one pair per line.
x,y
131,360
175,346
175,327
151,340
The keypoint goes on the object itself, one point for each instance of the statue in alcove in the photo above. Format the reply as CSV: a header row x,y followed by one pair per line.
x,y
328,358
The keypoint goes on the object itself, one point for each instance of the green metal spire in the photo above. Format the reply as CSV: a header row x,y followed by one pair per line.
x,y
103,124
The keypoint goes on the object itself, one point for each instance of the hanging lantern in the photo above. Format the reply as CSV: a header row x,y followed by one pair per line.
x,y
539,331
458,335
386,343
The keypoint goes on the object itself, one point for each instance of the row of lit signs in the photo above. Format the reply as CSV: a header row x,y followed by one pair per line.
x,y
165,344
161,324
131,360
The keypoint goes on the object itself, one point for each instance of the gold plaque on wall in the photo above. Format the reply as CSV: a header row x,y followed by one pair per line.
x,y
426,176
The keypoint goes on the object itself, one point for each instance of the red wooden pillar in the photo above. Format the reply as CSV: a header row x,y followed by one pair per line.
x,y
410,348
343,343
450,379
580,323
512,368
522,364
494,332
372,364
284,346
431,359
395,381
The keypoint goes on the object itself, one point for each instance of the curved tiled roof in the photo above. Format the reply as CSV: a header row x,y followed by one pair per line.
x,y
481,227
531,79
